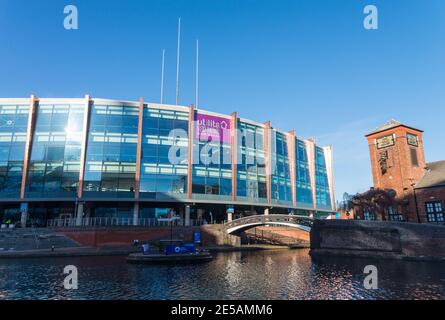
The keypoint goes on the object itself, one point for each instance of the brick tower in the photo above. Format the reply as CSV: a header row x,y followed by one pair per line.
x,y
398,162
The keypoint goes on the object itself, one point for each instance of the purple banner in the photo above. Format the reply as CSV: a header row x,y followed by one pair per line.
x,y
212,128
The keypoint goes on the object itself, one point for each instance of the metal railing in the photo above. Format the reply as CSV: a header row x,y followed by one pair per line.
x,y
119,222
272,218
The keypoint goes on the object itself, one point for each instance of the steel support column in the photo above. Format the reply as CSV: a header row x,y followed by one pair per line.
x,y
187,216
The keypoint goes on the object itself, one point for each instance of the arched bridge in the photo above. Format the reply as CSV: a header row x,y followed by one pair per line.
x,y
300,222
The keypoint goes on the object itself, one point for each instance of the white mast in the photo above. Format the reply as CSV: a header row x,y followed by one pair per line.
x,y
177,62
162,76
197,74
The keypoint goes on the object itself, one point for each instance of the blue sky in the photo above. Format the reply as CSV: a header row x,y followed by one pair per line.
x,y
307,65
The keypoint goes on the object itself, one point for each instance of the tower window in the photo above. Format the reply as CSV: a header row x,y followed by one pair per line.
x,y
383,162
414,158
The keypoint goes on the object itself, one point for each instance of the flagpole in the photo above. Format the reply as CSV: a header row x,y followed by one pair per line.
x,y
197,74
177,62
162,76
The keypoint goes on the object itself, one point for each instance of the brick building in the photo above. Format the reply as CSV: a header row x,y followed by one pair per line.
x,y
398,164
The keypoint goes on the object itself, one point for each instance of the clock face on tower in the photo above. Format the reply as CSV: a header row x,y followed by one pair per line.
x,y
385,141
412,140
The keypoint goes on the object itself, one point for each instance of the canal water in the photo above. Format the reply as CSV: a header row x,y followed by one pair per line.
x,y
289,274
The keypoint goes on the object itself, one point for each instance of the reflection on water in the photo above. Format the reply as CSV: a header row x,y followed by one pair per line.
x,y
251,275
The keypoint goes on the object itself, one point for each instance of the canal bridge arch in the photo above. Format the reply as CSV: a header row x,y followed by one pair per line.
x,y
300,222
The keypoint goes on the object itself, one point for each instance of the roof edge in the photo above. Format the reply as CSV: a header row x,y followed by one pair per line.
x,y
400,125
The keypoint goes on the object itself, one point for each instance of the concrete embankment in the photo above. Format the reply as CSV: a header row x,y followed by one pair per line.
x,y
77,242
378,239
117,251
67,252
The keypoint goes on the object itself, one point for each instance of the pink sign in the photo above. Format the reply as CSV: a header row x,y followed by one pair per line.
x,y
212,128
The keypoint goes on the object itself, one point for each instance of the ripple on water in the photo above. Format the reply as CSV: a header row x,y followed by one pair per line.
x,y
249,275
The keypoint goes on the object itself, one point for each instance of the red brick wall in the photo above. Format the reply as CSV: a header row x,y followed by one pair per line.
x,y
285,232
429,195
211,235
401,174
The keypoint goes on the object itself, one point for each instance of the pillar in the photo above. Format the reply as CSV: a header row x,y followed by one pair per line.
x,y
181,214
200,214
87,214
79,215
187,215
311,214
136,214
24,216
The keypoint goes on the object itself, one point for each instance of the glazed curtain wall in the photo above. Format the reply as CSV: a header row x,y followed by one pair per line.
x,y
110,168
160,177
323,195
13,127
281,188
303,178
55,153
111,149
251,171
212,169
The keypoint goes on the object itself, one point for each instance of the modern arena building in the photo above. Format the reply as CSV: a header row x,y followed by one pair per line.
x,y
94,161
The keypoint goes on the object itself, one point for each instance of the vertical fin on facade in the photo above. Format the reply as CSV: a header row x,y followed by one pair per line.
x,y
310,149
234,141
139,148
267,133
86,120
190,152
292,165
29,135
328,152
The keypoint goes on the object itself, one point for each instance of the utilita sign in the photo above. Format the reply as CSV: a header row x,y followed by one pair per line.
x,y
212,128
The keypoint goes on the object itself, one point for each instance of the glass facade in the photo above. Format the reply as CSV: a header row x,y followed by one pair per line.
x,y
212,169
281,186
165,135
111,162
322,191
251,169
55,154
13,127
110,169
303,177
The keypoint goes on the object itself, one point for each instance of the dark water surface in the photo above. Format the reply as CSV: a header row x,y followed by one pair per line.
x,y
290,274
